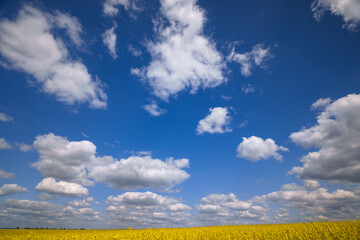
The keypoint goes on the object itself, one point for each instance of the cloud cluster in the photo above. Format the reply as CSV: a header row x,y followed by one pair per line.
x,y
257,57
216,122
111,7
336,135
349,10
144,209
181,56
28,44
255,148
314,202
76,162
220,209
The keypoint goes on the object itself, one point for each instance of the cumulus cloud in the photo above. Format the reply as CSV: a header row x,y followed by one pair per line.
x,y
61,159
222,209
134,51
5,118
336,135
29,46
109,39
248,60
154,109
7,189
28,213
4,144
50,186
182,57
4,174
349,10
146,209
315,203
216,122
76,161
81,203
248,89
255,148
139,172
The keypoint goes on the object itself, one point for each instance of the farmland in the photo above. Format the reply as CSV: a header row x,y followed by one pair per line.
x,y
317,230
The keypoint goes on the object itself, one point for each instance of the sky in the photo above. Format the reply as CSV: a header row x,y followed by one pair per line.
x,y
178,113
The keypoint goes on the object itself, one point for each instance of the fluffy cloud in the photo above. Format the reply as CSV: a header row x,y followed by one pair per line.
x,y
111,6
337,135
321,103
49,185
7,189
14,212
76,162
146,209
222,209
182,57
62,159
139,172
5,118
154,109
4,144
71,25
24,147
349,10
4,174
315,203
109,39
28,45
257,57
255,148
216,122
81,203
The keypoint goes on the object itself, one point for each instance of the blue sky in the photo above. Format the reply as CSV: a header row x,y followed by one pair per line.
x,y
171,113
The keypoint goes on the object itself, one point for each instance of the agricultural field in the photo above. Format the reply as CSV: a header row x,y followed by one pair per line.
x,y
317,230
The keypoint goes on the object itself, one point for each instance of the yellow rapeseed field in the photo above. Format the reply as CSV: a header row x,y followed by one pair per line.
x,y
317,230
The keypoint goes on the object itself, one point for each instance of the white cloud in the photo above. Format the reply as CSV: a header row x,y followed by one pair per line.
x,y
182,57
71,25
81,203
139,172
4,144
222,209
110,7
255,148
216,122
62,159
4,174
349,10
73,161
44,196
7,189
5,118
257,57
109,39
24,147
154,109
146,209
29,46
321,103
248,89
316,203
337,135
50,185
134,51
